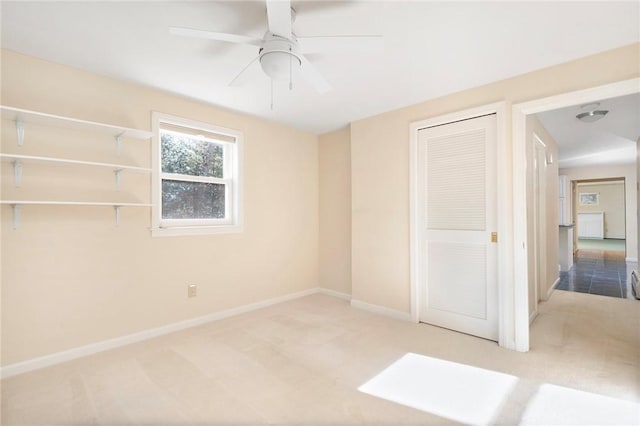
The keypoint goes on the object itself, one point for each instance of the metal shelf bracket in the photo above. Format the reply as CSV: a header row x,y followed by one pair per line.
x,y
117,173
118,139
16,215
20,131
17,173
117,211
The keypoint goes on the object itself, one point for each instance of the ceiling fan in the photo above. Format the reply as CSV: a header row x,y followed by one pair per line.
x,y
280,52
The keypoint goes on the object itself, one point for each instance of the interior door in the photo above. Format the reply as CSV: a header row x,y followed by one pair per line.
x,y
457,187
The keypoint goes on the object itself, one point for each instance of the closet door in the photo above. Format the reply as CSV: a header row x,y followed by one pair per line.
x,y
459,248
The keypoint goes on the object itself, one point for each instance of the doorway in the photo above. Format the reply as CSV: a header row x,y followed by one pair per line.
x,y
600,238
600,215
521,244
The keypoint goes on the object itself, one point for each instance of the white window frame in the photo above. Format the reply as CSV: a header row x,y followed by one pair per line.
x,y
233,221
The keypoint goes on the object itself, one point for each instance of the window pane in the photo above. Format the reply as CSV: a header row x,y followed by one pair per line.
x,y
183,154
192,200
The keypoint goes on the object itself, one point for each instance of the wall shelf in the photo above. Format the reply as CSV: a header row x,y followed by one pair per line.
x,y
43,160
17,204
22,118
18,160
26,116
72,203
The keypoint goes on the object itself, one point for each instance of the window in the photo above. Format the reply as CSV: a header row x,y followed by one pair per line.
x,y
196,177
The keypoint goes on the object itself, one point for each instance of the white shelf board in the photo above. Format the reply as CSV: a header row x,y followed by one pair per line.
x,y
72,203
14,114
36,159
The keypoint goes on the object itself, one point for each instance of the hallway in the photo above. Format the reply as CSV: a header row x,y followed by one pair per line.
x,y
599,272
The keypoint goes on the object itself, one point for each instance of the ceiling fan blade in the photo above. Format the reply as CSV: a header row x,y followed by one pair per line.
x,y
210,35
313,76
237,80
341,43
279,17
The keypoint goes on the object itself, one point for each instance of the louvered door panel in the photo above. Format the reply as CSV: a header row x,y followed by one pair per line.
x,y
456,181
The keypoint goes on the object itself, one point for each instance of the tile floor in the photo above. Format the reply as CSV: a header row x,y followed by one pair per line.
x,y
599,272
302,362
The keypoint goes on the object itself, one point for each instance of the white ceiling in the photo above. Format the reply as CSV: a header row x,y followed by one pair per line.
x,y
431,48
610,140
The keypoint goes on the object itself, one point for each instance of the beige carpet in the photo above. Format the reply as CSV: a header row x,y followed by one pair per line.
x,y
317,361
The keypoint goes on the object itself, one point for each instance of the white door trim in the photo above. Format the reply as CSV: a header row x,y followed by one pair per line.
x,y
505,296
540,222
519,117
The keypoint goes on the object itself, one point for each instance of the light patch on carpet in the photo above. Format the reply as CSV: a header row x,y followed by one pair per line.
x,y
456,391
556,405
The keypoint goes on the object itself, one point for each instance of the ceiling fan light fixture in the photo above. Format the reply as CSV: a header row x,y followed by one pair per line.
x,y
280,65
591,116
280,55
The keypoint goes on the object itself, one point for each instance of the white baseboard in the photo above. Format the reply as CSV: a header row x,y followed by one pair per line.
x,y
334,293
632,259
70,354
533,316
381,310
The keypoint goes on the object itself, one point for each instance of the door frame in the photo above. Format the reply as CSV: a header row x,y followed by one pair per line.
x,y
539,221
519,113
602,181
504,214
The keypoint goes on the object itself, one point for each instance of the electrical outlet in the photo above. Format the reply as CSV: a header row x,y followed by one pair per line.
x,y
192,290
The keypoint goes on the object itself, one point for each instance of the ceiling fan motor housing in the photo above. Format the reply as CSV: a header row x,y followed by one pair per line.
x,y
280,57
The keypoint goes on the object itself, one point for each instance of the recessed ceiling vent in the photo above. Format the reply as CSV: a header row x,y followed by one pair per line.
x,y
591,113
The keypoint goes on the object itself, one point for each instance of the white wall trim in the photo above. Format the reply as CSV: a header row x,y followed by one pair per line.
x,y
631,259
520,289
533,316
381,310
82,351
541,231
334,293
506,319
621,88
520,244
505,270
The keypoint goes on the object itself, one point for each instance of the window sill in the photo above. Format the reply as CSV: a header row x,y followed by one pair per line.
x,y
177,231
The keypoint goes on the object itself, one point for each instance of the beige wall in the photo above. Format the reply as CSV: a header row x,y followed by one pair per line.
x,y
550,214
71,278
611,202
628,172
380,166
335,210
